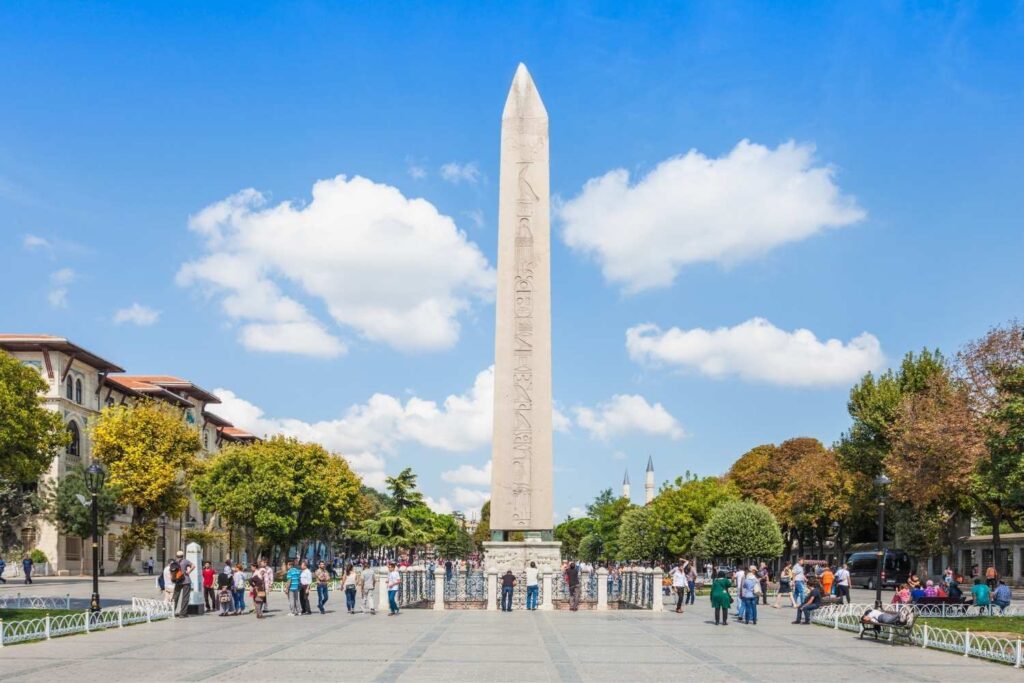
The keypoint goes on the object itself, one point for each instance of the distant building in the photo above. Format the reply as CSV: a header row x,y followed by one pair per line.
x,y
649,481
625,486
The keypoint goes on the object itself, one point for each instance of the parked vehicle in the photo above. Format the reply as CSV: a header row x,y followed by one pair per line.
x,y
864,568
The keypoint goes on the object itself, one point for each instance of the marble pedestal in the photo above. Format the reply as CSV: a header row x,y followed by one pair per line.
x,y
517,555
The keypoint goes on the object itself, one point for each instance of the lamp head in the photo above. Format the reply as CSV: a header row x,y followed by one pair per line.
x,y
881,481
94,477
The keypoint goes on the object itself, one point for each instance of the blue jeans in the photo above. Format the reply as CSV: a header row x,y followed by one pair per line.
x,y
691,592
506,599
741,608
750,609
393,600
799,591
531,596
239,599
806,612
321,597
350,598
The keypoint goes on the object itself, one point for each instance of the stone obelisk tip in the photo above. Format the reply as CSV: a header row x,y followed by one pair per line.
x,y
523,100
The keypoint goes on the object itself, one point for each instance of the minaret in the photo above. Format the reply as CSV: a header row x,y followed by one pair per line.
x,y
649,483
625,486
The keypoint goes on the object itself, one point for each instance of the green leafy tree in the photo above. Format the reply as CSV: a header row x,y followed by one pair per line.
x,y
482,534
606,512
283,489
682,509
150,456
71,516
450,537
30,436
740,530
639,536
571,532
406,524
592,547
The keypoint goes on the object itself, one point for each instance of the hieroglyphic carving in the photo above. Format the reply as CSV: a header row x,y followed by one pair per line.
x,y
522,349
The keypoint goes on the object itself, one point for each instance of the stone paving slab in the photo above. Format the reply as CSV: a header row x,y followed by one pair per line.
x,y
453,646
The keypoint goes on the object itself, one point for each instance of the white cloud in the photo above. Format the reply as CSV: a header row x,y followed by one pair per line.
x,y
59,281
35,242
456,173
469,475
441,506
576,512
627,414
137,314
415,170
757,350
392,269
477,216
560,422
469,499
367,431
692,209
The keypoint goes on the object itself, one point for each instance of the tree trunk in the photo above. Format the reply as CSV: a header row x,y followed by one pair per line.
x,y
124,564
997,520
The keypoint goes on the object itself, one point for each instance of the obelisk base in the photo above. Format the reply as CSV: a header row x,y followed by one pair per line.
x,y
517,555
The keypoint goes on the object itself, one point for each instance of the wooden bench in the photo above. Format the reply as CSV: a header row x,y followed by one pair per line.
x,y
892,632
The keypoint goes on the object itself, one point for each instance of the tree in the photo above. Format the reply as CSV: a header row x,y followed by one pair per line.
x,y
66,508
450,537
150,455
592,547
682,509
283,489
29,433
482,534
741,530
30,436
639,538
606,512
571,532
406,523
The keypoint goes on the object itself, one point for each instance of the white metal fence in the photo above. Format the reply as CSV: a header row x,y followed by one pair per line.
x,y
20,601
46,627
965,643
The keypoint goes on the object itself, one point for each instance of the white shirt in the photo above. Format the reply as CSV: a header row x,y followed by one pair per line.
x,y
306,577
678,577
394,578
531,576
740,575
798,572
842,577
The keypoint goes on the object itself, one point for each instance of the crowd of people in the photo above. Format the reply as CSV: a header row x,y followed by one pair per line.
x,y
225,590
986,595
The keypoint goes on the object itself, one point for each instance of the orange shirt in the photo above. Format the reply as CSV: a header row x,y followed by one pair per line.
x,y
826,581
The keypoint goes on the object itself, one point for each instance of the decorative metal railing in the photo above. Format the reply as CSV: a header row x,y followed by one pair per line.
x,y
20,601
957,611
46,627
464,586
638,588
1006,650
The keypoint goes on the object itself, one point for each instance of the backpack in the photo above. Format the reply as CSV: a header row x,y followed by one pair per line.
x,y
177,575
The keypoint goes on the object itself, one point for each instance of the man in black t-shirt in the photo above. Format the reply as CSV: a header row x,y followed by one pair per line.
x,y
572,578
812,603
508,584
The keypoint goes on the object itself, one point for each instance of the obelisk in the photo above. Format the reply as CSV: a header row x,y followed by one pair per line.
x,y
522,467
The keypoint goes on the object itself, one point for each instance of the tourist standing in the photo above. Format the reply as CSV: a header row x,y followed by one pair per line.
x,y
350,589
679,586
323,580
209,592
305,584
738,578
267,574
448,570
785,586
369,594
842,583
150,565
259,590
721,601
26,568
164,583
508,586
799,582
748,594
691,582
224,582
827,579
573,581
532,586
238,590
181,577
763,576
292,585
394,583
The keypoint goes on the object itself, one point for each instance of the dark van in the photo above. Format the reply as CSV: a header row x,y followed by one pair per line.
x,y
864,568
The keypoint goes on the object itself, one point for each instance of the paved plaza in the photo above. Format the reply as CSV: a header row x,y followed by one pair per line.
x,y
423,645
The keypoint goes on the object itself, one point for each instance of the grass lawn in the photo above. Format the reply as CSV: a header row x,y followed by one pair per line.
x,y
19,614
979,624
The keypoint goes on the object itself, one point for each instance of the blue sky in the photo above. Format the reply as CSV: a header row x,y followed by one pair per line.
x,y
876,204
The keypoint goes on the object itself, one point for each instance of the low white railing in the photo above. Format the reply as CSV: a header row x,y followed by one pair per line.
x,y
20,601
1006,650
959,611
46,627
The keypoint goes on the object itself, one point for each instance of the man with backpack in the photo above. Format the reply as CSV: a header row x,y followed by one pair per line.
x,y
181,577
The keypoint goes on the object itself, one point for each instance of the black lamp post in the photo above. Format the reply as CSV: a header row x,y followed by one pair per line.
x,y
881,483
94,477
163,528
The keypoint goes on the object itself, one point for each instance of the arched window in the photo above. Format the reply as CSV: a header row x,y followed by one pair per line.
x,y
78,391
74,441
69,389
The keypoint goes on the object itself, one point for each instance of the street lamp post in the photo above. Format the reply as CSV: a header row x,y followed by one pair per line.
x,y
881,483
94,477
163,528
